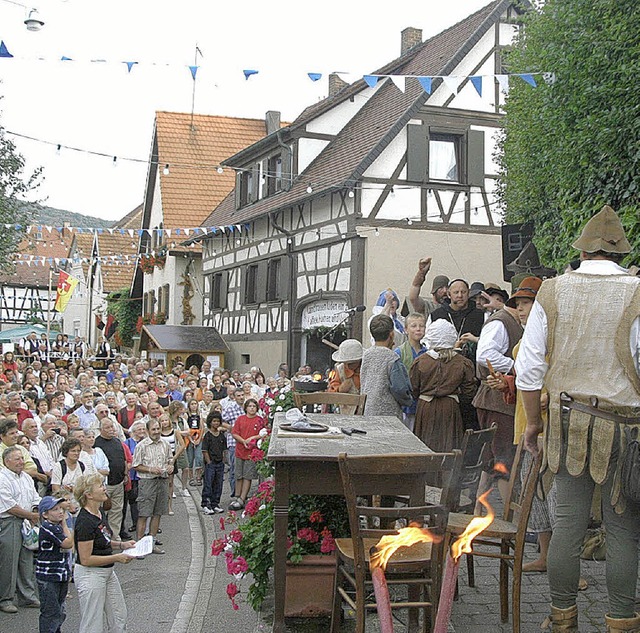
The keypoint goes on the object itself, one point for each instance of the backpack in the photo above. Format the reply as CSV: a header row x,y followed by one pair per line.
x,y
399,383
630,476
63,467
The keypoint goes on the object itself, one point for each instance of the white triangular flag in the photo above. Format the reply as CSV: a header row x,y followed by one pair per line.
x,y
398,81
452,82
503,80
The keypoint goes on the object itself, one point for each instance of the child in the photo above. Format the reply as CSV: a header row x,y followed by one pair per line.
x,y
52,567
410,350
214,445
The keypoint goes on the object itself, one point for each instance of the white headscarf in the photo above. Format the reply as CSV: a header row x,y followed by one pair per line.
x,y
440,335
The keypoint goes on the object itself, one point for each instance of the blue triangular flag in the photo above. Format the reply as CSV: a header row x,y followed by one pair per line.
x,y
177,231
194,70
99,231
425,82
314,76
477,84
130,65
371,80
529,79
66,59
140,232
3,50
121,231
248,73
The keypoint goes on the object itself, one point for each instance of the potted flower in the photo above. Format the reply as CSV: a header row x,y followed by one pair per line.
x,y
247,543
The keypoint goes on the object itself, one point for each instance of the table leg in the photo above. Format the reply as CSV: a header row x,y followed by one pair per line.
x,y
281,518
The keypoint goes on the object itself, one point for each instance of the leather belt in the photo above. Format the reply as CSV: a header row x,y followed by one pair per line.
x,y
570,403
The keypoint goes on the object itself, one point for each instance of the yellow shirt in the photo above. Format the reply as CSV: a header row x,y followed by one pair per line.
x,y
29,464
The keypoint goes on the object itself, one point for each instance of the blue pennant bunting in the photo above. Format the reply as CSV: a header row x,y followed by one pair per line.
x,y
140,232
248,73
314,76
425,82
66,59
477,84
194,70
529,79
371,80
3,50
130,65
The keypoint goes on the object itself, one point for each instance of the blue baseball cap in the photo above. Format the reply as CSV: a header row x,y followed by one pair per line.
x,y
47,503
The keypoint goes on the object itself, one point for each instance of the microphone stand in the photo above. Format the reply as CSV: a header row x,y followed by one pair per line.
x,y
333,329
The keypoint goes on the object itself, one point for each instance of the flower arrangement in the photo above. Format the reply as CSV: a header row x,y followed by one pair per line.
x,y
247,541
276,402
149,262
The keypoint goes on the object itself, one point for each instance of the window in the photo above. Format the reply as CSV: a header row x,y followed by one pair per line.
x,y
245,359
444,157
247,185
76,328
273,279
251,284
274,175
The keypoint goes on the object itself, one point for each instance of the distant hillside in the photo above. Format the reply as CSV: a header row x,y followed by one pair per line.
x,y
57,217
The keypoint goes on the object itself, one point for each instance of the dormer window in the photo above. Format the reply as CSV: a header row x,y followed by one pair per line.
x,y
274,175
247,187
444,157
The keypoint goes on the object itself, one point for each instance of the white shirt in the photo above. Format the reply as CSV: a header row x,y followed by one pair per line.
x,y
16,490
493,345
40,451
531,366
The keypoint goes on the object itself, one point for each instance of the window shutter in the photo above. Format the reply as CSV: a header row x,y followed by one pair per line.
x,y
475,160
261,282
285,278
243,285
224,289
255,185
238,191
417,153
266,177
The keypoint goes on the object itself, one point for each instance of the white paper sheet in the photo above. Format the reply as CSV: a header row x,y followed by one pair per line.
x,y
143,547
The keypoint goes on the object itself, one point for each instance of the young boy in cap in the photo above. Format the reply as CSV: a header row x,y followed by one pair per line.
x,y
52,568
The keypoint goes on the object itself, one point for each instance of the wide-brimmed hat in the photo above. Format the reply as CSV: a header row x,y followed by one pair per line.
x,y
439,281
603,232
349,351
494,289
527,289
475,289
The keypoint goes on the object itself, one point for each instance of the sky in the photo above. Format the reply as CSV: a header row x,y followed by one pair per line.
x,y
100,107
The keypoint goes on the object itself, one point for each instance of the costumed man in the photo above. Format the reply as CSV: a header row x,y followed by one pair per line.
x,y
427,305
582,341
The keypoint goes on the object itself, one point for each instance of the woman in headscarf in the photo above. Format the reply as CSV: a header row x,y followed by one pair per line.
x,y
388,303
439,378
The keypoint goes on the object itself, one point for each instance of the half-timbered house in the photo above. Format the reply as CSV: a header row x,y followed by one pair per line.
x,y
341,204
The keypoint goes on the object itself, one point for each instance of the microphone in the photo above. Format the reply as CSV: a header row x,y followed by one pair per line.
x,y
356,309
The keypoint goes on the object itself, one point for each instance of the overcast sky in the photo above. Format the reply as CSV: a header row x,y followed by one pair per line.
x,y
102,108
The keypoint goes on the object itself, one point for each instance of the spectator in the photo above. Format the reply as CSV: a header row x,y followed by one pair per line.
x,y
230,413
8,438
214,446
138,433
173,438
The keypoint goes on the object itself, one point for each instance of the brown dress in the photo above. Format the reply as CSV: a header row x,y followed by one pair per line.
x,y
439,422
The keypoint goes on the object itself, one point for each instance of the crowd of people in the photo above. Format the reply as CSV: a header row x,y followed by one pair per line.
x,y
92,455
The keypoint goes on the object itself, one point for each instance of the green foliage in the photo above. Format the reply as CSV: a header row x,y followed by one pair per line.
x,y
14,184
573,145
126,313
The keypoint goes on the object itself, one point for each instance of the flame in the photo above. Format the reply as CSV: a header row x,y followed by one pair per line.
x,y
499,467
332,374
317,376
475,527
389,543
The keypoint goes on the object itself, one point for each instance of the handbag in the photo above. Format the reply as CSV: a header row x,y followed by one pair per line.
x,y
30,534
630,476
107,504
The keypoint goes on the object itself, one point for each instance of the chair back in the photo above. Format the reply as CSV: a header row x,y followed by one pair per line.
x,y
522,486
353,401
475,455
363,476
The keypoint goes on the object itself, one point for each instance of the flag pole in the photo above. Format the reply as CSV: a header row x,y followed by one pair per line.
x,y
49,307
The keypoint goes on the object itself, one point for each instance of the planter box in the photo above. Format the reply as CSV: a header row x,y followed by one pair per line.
x,y
310,587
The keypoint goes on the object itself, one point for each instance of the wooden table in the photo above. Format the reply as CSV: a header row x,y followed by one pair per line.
x,y
309,465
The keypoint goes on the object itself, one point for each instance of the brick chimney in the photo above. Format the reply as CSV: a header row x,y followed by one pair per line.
x,y
409,38
336,84
272,121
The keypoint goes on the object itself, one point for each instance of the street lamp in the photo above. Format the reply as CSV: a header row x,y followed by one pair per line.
x,y
33,21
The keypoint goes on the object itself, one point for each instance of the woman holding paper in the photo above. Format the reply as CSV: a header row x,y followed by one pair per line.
x,y
98,587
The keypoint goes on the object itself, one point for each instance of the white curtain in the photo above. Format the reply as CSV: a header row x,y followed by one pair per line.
x,y
443,163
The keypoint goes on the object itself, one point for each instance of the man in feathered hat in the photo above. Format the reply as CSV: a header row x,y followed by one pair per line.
x,y
586,324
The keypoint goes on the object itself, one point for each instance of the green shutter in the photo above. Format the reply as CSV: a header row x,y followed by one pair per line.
x,y
417,153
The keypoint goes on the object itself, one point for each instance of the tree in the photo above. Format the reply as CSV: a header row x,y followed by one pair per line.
x,y
573,143
14,184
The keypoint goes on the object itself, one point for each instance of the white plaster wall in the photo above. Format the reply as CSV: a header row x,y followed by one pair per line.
x,y
156,215
308,150
392,259
265,354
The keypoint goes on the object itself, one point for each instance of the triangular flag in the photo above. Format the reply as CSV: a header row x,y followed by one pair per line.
x,y
66,59
452,82
503,80
168,232
529,79
477,84
194,70
130,232
425,82
314,76
398,81
3,50
248,73
371,80
130,65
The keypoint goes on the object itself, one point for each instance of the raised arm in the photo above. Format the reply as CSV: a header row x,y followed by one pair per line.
x,y
417,303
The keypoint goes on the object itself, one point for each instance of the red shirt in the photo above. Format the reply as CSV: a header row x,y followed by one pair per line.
x,y
246,427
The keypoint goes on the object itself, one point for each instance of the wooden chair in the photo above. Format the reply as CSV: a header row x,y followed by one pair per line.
x,y
353,401
507,534
418,567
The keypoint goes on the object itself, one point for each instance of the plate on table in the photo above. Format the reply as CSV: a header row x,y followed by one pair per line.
x,y
314,427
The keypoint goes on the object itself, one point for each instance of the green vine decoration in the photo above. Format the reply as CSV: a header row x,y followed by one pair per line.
x,y
322,330
126,312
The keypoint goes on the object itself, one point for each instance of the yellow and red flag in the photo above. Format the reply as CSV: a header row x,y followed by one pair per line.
x,y
66,286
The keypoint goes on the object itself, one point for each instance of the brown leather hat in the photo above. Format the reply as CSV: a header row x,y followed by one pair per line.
x,y
603,232
528,289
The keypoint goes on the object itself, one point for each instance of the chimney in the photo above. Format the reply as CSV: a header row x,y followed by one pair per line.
x,y
409,38
336,84
272,121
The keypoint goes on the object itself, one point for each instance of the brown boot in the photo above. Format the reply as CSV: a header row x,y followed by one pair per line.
x,y
628,625
564,620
